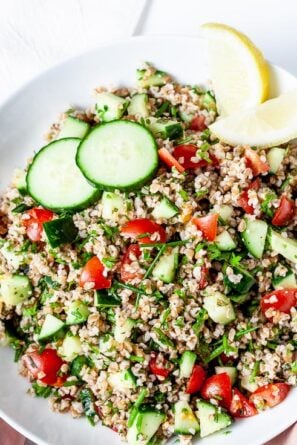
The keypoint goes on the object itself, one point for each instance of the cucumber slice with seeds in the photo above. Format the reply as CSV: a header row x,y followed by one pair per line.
x,y
74,128
165,268
139,105
165,209
211,418
118,155
254,237
187,363
110,107
219,308
275,157
285,282
112,205
225,242
51,326
145,426
14,289
55,181
286,247
185,421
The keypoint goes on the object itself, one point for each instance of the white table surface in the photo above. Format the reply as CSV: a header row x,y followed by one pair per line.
x,y
36,34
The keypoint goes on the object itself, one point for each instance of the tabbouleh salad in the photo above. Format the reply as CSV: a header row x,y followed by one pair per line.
x,y
148,271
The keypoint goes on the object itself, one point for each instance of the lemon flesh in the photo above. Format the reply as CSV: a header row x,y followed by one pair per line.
x,y
238,70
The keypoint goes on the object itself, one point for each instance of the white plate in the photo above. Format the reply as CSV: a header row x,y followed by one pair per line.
x,y
23,121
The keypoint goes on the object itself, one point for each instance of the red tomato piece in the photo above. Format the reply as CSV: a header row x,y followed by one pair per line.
x,y
170,160
94,272
281,300
254,162
203,282
132,254
208,225
159,366
198,123
34,223
243,200
186,152
241,406
196,380
285,212
142,230
269,395
47,362
218,387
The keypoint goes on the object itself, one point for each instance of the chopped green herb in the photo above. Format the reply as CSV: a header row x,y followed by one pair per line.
x,y
21,208
184,195
109,262
163,338
266,204
41,391
133,413
136,358
200,193
243,332
87,400
255,372
163,109
201,317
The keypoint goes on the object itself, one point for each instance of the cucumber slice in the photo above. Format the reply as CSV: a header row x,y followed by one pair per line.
x,y
230,370
286,282
104,299
112,205
209,101
225,212
71,347
185,421
286,247
254,237
14,259
14,289
247,384
244,285
139,105
118,155
60,231
51,326
275,157
187,363
165,268
165,129
122,381
55,181
157,79
19,181
74,128
211,418
123,329
186,117
219,308
225,242
77,313
145,425
110,107
165,209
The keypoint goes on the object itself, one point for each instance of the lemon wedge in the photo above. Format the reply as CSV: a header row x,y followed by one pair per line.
x,y
266,125
238,70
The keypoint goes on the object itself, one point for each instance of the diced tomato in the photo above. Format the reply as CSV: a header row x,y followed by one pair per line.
x,y
203,282
170,160
159,366
241,406
48,363
142,230
254,162
208,225
285,212
196,380
34,222
243,200
186,152
132,254
269,395
281,300
218,387
94,272
198,123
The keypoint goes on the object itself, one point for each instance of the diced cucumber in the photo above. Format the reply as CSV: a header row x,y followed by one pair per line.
x,y
185,421
254,236
51,326
71,347
244,284
122,381
107,345
165,209
247,384
74,128
105,299
211,418
275,157
145,425
187,363
77,313
225,242
112,205
60,231
123,328
139,105
166,267
225,212
118,155
209,101
165,129
14,289
110,107
230,370
55,181
157,79
13,258
186,117
19,181
285,282
219,308
286,247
